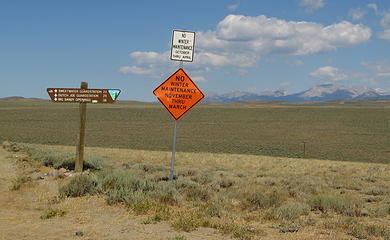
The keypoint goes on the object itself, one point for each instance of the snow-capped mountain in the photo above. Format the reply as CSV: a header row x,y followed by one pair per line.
x,y
321,92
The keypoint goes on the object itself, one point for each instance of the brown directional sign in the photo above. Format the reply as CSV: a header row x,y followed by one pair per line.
x,y
178,94
78,95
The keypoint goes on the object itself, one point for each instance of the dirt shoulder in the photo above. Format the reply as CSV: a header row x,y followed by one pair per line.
x,y
21,211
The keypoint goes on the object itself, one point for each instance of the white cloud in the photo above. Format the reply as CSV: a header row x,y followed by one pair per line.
x,y
272,36
373,6
135,70
233,7
385,23
329,72
199,79
241,41
356,14
377,72
311,6
380,69
385,34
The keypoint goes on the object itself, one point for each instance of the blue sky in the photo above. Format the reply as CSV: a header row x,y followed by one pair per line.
x,y
241,45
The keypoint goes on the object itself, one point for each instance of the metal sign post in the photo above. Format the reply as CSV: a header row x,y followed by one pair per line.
x,y
178,94
171,171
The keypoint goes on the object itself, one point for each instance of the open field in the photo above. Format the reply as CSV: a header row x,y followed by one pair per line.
x,y
215,196
352,131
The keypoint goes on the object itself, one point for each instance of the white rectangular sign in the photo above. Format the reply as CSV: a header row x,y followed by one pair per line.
x,y
182,48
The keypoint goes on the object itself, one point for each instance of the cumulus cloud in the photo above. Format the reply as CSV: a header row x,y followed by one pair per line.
x,y
135,70
233,7
385,23
199,79
272,36
311,6
356,14
377,71
241,41
380,69
385,34
373,6
329,72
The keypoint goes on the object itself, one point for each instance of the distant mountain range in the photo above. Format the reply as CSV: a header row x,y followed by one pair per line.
x,y
318,93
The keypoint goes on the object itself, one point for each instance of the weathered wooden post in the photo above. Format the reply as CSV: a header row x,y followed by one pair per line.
x,y
80,148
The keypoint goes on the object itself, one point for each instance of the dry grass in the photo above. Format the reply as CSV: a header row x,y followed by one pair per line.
x,y
248,196
345,132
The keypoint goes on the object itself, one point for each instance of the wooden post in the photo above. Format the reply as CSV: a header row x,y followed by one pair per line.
x,y
304,149
80,148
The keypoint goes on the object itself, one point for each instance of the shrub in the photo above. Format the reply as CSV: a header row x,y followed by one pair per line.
x,y
213,210
186,172
203,178
375,191
365,231
197,193
226,182
140,206
380,211
289,226
344,205
52,213
260,200
126,180
60,159
292,210
166,193
17,183
186,222
11,146
56,159
81,185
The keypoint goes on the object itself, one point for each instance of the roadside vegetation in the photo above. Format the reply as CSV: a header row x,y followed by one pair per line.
x,y
245,197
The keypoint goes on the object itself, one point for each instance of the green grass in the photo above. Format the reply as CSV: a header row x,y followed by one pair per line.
x,y
357,131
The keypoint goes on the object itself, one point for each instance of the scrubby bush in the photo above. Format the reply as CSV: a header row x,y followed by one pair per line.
x,y
344,205
259,200
292,210
375,191
57,159
187,222
213,210
166,193
81,185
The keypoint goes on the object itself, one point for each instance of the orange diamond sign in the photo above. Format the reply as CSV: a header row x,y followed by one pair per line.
x,y
178,94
